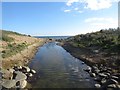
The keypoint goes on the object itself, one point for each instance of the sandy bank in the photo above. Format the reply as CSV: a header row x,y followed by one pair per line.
x,y
24,56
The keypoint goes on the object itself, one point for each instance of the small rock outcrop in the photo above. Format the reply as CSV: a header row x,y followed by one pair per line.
x,y
104,76
16,77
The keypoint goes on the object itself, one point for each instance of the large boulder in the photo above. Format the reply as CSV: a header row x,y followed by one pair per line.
x,y
20,76
6,74
8,83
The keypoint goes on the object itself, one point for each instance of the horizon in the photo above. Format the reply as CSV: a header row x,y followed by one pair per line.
x,y
59,18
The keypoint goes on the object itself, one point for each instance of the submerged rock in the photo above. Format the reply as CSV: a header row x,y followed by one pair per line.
x,y
92,74
112,86
97,85
32,71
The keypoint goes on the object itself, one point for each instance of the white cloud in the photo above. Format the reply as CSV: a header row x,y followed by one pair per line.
x,y
80,11
98,4
76,9
67,10
102,22
95,19
70,2
94,4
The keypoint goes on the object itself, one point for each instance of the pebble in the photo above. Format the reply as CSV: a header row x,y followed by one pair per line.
x,y
97,85
112,86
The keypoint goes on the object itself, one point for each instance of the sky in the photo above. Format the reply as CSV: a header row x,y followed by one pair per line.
x,y
59,18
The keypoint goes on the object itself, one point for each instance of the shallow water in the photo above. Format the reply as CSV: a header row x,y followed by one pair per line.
x,y
56,68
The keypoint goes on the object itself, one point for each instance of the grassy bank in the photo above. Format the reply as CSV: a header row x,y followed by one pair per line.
x,y
18,48
101,47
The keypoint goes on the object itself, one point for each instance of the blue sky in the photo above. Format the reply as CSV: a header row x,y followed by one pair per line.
x,y
59,18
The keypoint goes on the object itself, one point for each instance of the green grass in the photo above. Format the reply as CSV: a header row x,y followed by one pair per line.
x,y
13,49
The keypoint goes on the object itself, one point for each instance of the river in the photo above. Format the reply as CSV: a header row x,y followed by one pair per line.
x,y
56,68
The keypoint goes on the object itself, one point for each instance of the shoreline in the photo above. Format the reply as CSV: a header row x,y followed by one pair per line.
x,y
74,51
90,58
23,57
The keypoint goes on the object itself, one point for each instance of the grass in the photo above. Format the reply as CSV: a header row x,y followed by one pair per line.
x,y
13,49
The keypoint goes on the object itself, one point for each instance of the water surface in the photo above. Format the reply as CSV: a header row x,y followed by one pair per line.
x,y
56,68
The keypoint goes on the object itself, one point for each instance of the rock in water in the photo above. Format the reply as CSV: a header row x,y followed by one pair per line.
x,y
112,86
8,83
33,71
20,76
26,68
97,85
113,81
92,74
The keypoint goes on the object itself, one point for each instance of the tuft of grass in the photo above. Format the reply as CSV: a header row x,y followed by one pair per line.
x,y
13,49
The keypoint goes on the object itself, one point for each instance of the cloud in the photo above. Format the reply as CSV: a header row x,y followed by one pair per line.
x,y
70,2
76,9
98,4
95,19
102,22
94,4
67,10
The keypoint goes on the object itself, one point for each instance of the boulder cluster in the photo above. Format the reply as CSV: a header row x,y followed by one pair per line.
x,y
104,76
16,77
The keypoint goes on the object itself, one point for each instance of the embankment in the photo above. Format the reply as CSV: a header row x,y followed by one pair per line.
x,y
80,53
22,57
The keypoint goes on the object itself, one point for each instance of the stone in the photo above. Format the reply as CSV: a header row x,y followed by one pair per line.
x,y
15,68
8,83
20,76
7,74
32,71
88,69
102,75
21,84
111,86
114,77
97,85
30,74
11,70
83,63
118,86
27,69
92,74
103,81
98,79
113,81
20,67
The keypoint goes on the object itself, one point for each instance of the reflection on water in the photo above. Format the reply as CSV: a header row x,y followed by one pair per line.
x,y
56,68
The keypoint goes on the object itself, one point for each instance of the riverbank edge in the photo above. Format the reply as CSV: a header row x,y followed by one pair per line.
x,y
23,57
72,50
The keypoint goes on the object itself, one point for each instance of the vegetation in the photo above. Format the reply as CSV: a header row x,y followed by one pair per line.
x,y
103,45
104,40
12,49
